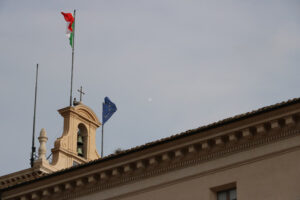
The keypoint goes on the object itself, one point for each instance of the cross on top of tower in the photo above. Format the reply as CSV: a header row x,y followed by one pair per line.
x,y
81,93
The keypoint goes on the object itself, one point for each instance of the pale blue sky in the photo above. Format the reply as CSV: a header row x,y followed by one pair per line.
x,y
198,61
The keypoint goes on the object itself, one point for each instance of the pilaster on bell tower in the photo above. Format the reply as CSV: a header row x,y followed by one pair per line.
x,y
78,141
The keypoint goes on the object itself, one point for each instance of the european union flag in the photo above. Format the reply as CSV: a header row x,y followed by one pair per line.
x,y
109,108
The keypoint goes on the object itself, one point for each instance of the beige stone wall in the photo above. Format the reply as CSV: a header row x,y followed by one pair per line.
x,y
273,179
266,173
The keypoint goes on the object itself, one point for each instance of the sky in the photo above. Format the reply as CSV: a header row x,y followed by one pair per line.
x,y
168,65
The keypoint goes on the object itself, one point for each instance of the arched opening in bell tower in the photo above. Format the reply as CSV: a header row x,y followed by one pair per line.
x,y
82,141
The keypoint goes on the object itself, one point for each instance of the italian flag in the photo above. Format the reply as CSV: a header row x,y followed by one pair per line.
x,y
70,26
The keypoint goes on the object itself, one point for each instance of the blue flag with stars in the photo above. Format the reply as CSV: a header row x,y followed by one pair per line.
x,y
109,108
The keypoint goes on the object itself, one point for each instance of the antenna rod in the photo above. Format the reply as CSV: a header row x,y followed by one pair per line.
x,y
73,44
34,113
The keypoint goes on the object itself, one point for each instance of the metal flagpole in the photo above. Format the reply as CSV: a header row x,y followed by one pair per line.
x,y
102,141
102,133
108,109
73,45
34,114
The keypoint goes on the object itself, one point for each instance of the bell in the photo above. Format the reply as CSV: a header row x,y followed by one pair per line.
x,y
79,139
79,151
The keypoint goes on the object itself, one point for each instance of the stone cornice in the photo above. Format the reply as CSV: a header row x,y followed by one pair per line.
x,y
19,177
70,154
178,156
83,112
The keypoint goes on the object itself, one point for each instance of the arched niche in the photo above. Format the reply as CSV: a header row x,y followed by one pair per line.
x,y
82,138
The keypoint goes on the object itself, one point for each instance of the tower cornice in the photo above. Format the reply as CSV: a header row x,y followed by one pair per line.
x,y
81,111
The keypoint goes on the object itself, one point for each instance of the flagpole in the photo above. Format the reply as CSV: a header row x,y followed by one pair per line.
x,y
108,109
102,132
73,45
34,113
102,141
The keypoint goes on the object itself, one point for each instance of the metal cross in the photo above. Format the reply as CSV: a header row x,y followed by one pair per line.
x,y
81,93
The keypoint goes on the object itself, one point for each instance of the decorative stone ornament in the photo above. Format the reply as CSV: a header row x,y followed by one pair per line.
x,y
42,139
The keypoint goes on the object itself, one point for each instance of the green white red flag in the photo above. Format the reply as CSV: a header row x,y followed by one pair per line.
x,y
70,26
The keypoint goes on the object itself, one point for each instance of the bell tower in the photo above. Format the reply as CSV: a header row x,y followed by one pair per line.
x,y
78,141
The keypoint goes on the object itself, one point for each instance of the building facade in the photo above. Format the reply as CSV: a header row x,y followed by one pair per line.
x,y
250,156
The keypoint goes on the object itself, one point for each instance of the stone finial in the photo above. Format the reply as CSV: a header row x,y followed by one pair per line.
x,y
42,139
